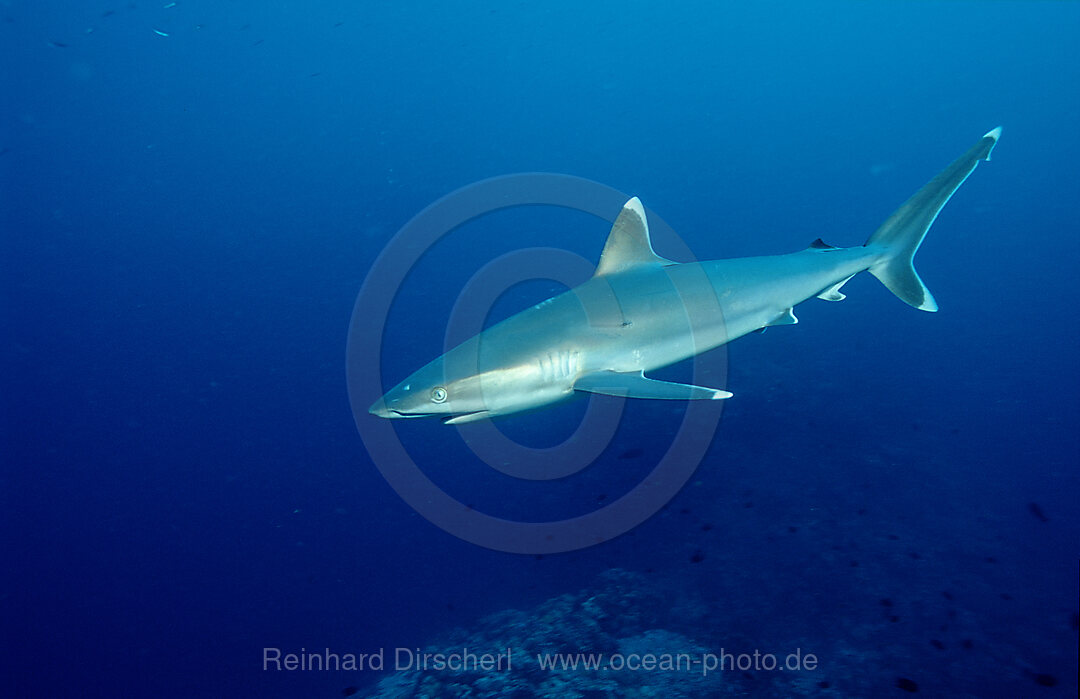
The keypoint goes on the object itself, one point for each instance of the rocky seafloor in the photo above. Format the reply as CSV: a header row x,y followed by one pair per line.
x,y
647,641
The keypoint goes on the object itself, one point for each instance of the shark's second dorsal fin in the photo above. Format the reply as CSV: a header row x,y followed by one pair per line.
x,y
628,244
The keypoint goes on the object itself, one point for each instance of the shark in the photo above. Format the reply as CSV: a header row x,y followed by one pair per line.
x,y
640,312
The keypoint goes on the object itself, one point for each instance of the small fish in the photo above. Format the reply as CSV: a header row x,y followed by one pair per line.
x,y
1034,509
160,33
171,4
58,45
631,453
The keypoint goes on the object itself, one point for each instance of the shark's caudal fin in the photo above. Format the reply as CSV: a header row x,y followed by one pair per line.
x,y
903,232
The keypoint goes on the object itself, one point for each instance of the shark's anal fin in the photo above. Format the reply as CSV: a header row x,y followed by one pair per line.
x,y
833,292
630,385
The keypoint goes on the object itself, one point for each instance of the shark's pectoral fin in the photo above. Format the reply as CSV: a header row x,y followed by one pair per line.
x,y
833,292
612,383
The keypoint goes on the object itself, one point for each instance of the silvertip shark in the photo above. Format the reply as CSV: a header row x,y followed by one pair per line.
x,y
640,312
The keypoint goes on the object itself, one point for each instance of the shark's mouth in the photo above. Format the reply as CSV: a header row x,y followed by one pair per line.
x,y
398,413
466,417
455,419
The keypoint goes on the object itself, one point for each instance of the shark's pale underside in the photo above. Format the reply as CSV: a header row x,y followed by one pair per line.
x,y
640,312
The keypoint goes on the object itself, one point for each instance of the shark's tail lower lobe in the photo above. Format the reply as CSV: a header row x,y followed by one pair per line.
x,y
900,236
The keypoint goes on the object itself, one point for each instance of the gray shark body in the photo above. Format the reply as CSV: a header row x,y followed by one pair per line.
x,y
640,312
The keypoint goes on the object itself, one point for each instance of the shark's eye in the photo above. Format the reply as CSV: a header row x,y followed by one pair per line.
x,y
438,394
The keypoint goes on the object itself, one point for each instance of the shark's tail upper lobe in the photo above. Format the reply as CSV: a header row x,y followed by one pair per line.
x,y
900,236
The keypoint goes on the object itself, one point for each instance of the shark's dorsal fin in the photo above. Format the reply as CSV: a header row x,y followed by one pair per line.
x,y
628,244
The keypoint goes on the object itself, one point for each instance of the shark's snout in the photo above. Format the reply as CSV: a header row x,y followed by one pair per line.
x,y
395,407
380,409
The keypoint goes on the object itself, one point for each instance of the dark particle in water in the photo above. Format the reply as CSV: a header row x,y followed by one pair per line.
x,y
1036,511
906,684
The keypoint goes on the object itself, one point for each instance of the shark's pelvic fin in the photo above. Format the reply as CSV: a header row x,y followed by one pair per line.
x,y
628,244
787,317
903,232
636,385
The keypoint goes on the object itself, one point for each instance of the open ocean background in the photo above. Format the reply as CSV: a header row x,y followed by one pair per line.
x,y
191,194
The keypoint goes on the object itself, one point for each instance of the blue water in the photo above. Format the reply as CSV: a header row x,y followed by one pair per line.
x,y
191,194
